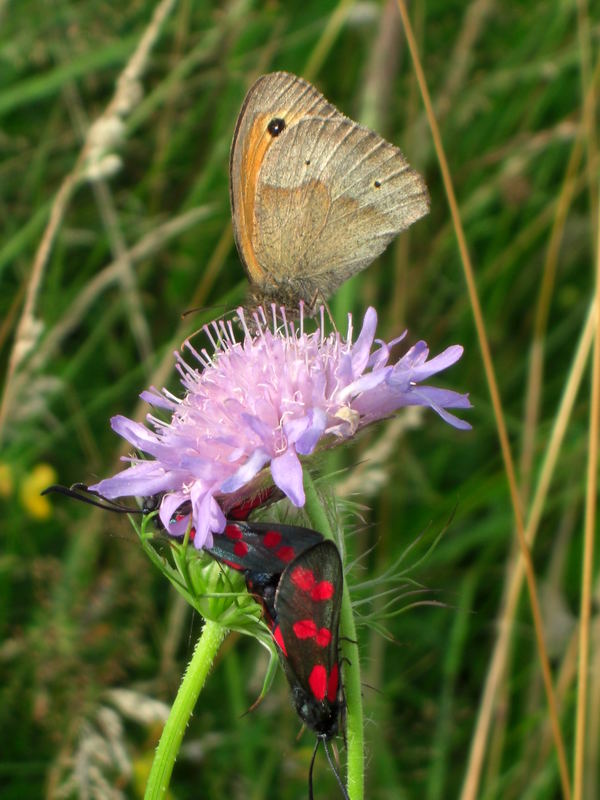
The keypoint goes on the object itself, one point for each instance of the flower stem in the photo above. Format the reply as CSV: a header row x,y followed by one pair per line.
x,y
170,741
352,686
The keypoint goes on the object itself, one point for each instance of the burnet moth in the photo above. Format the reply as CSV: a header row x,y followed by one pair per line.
x,y
297,577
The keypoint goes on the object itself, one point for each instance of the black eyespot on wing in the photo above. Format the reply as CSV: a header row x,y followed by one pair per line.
x,y
276,126
307,162
377,184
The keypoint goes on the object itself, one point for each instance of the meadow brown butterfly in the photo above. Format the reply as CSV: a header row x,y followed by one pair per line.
x,y
315,197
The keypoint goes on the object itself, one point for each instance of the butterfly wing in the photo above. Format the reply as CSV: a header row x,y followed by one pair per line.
x,y
276,96
330,197
307,618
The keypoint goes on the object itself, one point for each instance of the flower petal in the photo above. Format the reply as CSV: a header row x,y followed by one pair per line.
x,y
246,472
142,480
361,350
287,475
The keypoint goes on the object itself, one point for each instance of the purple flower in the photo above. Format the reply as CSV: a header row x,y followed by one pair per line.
x,y
265,401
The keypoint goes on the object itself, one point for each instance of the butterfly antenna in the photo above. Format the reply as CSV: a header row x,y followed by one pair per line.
x,y
330,315
310,771
333,769
79,491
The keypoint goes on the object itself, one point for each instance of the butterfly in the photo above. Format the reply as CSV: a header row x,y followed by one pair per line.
x,y
315,197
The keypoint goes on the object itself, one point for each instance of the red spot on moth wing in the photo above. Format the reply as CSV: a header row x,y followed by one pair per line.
x,y
318,681
322,591
303,578
233,532
305,629
286,554
332,683
271,538
240,549
323,637
279,640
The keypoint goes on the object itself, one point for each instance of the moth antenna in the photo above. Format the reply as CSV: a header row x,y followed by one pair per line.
x,y
76,491
333,769
310,770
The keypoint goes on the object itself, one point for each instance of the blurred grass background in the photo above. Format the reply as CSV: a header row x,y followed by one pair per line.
x,y
91,636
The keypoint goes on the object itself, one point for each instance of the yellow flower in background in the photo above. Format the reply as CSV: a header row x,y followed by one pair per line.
x,y
40,477
6,480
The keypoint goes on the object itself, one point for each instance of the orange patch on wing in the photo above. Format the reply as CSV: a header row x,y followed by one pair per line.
x,y
255,147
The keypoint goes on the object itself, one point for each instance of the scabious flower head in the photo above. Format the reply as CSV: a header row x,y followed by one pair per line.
x,y
278,394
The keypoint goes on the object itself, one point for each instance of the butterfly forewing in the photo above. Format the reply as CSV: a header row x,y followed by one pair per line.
x,y
277,96
307,611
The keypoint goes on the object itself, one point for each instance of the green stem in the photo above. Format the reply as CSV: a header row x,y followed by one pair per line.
x,y
204,653
352,687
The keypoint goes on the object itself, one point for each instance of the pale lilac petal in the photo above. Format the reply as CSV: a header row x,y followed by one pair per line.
x,y
168,508
306,443
295,428
380,357
135,433
364,384
445,415
287,475
246,472
154,398
361,350
444,360
446,398
260,427
207,516
142,480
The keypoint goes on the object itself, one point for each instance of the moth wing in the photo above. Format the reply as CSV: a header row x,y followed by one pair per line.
x,y
301,610
330,196
261,547
278,95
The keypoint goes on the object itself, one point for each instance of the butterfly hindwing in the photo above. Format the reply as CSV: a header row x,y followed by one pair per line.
x,y
331,196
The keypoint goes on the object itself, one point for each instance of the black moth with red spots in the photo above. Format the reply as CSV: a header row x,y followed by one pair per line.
x,y
297,577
